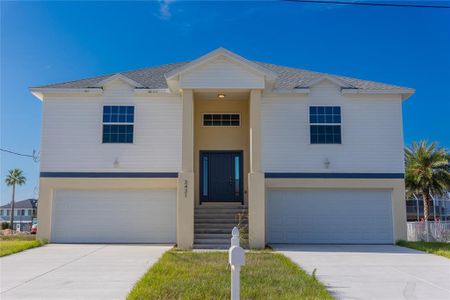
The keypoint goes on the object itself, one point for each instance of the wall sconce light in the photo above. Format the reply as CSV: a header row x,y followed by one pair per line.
x,y
116,163
326,163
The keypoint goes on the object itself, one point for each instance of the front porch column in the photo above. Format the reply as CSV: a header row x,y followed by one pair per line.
x,y
185,191
256,182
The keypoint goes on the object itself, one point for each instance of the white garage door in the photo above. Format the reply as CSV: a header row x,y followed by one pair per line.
x,y
114,216
329,216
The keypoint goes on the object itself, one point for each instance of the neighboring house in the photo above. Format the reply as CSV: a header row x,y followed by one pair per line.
x,y
439,208
133,157
24,214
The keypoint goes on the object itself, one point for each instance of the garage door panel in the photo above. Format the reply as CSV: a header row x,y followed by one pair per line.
x,y
114,216
329,216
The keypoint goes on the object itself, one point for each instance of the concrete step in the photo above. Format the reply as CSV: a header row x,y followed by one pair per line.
x,y
218,221
221,211
212,241
216,217
212,235
213,230
222,204
226,226
212,246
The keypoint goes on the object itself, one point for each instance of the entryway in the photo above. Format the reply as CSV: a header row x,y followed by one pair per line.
x,y
221,198
221,176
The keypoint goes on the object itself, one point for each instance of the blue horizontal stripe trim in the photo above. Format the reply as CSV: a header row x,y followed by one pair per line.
x,y
337,175
110,174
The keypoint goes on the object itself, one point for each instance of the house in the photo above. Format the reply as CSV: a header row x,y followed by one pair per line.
x,y
168,154
24,214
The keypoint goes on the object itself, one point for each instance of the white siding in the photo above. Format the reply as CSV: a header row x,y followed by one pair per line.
x,y
221,73
72,134
372,139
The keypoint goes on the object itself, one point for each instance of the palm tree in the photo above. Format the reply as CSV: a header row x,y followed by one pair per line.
x,y
14,177
427,172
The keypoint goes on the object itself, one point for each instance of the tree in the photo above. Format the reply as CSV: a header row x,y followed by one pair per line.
x,y
14,177
427,172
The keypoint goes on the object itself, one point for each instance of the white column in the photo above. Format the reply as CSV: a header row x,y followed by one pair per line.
x,y
185,191
256,181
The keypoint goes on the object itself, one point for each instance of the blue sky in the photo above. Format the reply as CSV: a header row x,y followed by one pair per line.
x,y
47,42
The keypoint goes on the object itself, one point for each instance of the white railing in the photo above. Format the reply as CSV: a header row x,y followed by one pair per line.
x,y
437,231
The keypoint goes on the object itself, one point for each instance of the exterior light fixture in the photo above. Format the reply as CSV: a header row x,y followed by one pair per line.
x,y
326,163
221,96
116,163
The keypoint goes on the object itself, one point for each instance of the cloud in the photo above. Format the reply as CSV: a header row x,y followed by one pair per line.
x,y
164,9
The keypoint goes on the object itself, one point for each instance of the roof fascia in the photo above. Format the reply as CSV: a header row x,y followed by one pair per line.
x,y
40,92
405,93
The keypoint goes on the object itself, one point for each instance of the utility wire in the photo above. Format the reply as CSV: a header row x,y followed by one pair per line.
x,y
34,156
370,4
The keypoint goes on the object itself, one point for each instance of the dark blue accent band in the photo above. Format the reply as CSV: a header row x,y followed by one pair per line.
x,y
337,175
110,174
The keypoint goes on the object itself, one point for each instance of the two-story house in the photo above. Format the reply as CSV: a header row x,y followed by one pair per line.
x,y
169,154
24,214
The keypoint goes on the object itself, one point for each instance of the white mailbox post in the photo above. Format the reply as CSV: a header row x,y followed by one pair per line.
x,y
236,260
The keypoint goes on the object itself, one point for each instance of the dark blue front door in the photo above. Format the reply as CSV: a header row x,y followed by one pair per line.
x,y
221,176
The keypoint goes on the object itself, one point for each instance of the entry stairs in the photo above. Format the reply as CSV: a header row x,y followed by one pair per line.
x,y
213,223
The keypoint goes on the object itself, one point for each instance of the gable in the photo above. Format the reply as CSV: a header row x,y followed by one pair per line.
x,y
221,72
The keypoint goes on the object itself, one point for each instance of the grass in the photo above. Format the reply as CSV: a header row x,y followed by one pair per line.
x,y
438,248
206,275
14,244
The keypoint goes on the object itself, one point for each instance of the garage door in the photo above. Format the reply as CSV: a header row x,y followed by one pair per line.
x,y
114,216
329,216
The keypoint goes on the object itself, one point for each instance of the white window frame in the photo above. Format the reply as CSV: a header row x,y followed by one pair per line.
x,y
118,123
221,126
309,124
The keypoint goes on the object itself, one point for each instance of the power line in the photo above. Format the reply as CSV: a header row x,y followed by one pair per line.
x,y
369,4
34,156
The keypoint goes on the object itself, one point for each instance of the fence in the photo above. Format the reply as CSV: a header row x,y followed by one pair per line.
x,y
437,231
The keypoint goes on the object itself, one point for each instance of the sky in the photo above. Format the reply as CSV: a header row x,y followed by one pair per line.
x,y
49,42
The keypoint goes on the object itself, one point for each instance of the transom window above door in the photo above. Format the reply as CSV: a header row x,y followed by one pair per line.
x,y
216,119
118,124
325,124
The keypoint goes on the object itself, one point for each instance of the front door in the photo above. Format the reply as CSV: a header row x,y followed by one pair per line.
x,y
221,177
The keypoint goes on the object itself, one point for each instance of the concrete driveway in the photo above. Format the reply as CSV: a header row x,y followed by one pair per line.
x,y
60,271
374,272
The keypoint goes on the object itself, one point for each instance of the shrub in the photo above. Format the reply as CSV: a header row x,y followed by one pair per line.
x,y
5,225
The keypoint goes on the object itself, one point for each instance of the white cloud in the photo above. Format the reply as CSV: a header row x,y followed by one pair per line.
x,y
164,9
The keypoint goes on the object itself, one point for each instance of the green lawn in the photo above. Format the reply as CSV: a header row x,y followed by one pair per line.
x,y
11,244
438,248
206,275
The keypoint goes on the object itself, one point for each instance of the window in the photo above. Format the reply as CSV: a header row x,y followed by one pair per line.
x,y
325,124
221,120
30,212
118,124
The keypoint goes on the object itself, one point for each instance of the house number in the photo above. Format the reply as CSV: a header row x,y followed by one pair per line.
x,y
185,188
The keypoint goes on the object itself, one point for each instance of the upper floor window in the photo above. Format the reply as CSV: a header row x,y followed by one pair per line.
x,y
118,124
325,124
221,119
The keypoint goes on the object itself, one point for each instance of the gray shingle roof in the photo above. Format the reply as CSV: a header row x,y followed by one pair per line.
x,y
288,78
28,203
